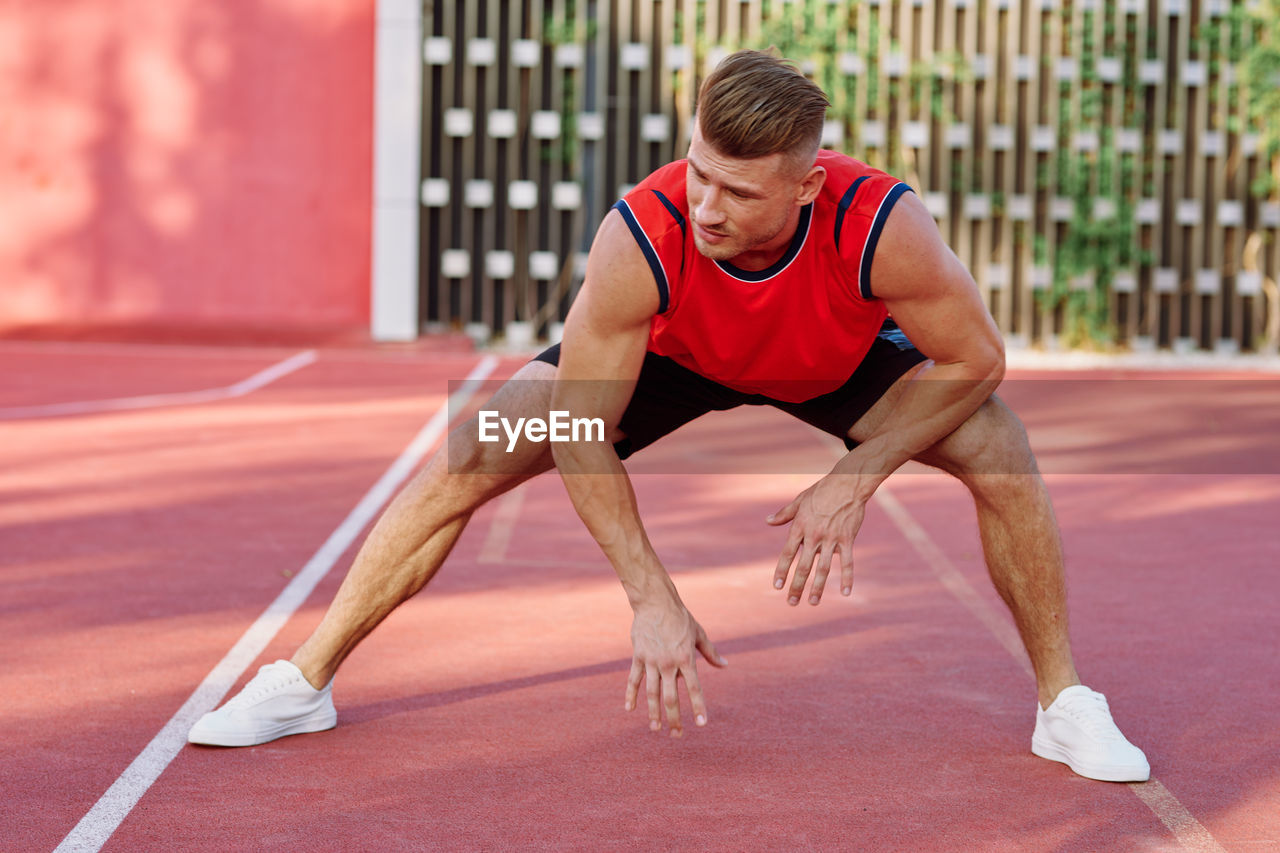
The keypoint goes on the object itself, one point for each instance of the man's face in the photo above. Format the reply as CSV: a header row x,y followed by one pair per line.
x,y
737,205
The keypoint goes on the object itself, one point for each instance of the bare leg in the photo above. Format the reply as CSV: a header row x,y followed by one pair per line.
x,y
989,453
418,530
1020,537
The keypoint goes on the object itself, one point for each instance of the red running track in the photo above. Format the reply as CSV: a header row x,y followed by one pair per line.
x,y
137,547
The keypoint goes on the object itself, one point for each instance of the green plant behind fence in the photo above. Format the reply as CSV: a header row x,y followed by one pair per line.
x,y
1106,168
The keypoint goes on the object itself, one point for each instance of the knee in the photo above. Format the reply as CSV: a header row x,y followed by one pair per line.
x,y
992,441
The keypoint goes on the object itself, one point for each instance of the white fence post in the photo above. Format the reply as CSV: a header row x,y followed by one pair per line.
x,y
397,128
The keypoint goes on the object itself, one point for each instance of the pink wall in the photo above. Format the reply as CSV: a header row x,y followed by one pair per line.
x,y
186,162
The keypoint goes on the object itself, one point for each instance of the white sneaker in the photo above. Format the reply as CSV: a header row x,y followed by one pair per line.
x,y
278,701
1077,730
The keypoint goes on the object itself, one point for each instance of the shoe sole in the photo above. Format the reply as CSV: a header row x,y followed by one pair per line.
x,y
1100,772
319,722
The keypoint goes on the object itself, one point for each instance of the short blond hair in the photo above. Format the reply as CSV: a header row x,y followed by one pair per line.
x,y
755,104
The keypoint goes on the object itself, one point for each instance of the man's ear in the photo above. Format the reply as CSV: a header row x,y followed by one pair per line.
x,y
811,184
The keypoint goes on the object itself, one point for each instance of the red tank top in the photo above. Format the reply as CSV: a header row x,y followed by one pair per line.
x,y
793,331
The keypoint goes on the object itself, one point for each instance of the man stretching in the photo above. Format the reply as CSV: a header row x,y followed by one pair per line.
x,y
759,270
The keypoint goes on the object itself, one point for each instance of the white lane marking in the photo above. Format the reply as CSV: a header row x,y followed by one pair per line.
x,y
503,526
953,580
1188,831
136,350
177,398
98,825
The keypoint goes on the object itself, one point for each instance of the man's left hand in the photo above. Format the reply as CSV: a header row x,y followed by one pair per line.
x,y
824,520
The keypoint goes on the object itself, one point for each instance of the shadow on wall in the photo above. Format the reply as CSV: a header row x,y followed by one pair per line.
x,y
186,163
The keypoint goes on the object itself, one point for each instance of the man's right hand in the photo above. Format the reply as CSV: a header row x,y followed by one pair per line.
x,y
664,638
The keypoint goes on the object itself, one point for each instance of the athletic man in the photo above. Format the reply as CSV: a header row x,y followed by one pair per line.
x,y
762,271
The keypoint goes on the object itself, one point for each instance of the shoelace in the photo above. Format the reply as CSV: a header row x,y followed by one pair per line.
x,y
266,682
1091,713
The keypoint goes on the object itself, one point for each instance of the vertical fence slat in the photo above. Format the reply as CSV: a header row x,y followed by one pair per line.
x,y
1204,258
1029,97
1050,112
1218,235
1197,181
1145,99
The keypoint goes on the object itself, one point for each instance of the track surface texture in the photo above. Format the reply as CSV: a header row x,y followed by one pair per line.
x,y
138,545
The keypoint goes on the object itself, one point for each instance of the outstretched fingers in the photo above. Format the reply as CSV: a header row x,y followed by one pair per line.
x,y
823,571
696,701
671,703
846,567
662,661
800,576
690,672
786,558
801,560
633,684
662,689
784,515
708,650
820,575
653,688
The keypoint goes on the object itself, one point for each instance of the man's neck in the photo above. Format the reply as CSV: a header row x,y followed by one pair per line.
x,y
766,255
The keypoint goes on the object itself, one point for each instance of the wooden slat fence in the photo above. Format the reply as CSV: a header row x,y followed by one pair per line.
x,y
1091,161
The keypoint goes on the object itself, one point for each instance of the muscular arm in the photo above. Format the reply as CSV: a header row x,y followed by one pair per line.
x,y
603,349
934,300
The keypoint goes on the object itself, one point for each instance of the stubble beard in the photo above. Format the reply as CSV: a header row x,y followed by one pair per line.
x,y
737,244
719,252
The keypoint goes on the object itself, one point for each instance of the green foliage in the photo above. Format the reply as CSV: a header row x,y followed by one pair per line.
x,y
797,35
1103,183
1091,249
557,32
1251,33
1261,77
1100,238
819,33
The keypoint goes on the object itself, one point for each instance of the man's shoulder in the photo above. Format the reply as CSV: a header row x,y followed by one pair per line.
x,y
844,171
667,180
658,204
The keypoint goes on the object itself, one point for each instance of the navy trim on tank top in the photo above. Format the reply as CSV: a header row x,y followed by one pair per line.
x,y
846,201
869,250
678,217
650,253
673,210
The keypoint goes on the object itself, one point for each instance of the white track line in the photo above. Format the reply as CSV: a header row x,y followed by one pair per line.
x,y
953,580
130,349
151,401
97,826
1189,832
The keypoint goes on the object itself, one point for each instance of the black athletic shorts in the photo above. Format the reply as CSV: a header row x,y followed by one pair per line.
x,y
668,395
